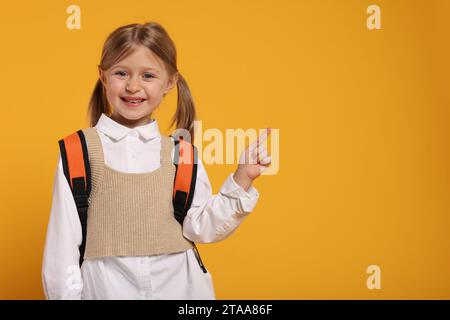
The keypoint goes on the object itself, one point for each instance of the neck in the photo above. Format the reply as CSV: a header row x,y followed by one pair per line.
x,y
131,123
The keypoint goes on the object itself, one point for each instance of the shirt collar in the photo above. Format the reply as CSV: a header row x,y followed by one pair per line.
x,y
117,131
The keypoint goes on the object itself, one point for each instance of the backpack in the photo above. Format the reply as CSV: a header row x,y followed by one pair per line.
x,y
76,167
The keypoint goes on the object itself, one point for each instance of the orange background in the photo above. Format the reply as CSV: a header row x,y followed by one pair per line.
x,y
363,119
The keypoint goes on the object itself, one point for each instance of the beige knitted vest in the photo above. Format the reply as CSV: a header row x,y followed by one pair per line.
x,y
131,214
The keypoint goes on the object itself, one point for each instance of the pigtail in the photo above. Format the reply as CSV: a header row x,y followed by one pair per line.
x,y
98,104
185,114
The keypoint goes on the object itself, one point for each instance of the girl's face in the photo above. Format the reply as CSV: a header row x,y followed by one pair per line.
x,y
142,76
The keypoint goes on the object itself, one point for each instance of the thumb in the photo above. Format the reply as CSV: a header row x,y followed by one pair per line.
x,y
262,169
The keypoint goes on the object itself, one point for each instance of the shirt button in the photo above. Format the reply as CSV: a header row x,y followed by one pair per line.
x,y
134,134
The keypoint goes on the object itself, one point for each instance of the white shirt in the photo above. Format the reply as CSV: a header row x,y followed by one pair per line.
x,y
211,218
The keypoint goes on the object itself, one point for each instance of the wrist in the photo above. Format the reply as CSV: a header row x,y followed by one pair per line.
x,y
242,180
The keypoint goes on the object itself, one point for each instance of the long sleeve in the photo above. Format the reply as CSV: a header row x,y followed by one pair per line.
x,y
213,218
61,275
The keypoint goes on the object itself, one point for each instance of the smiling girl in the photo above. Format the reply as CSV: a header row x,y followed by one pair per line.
x,y
131,246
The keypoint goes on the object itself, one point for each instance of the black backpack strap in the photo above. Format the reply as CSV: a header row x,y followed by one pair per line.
x,y
75,161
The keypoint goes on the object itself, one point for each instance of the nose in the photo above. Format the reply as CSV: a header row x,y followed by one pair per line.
x,y
132,85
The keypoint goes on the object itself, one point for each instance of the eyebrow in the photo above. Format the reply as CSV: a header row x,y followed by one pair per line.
x,y
145,68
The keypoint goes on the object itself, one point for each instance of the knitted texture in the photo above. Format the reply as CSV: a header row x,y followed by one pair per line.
x,y
131,214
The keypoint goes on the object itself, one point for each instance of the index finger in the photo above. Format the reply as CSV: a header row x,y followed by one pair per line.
x,y
260,139
263,136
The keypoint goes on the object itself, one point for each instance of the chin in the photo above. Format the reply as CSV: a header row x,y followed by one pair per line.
x,y
129,115
134,115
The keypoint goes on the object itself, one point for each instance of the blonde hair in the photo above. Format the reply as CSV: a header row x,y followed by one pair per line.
x,y
120,44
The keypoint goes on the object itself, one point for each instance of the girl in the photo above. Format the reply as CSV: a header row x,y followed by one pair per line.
x,y
126,152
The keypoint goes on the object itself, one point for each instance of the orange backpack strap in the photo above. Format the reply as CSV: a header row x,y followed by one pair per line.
x,y
75,161
186,161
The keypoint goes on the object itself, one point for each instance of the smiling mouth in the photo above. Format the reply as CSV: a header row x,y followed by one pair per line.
x,y
133,101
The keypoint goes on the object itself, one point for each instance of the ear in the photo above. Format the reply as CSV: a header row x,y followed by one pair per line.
x,y
171,82
101,75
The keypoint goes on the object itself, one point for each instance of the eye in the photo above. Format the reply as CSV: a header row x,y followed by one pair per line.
x,y
148,76
121,73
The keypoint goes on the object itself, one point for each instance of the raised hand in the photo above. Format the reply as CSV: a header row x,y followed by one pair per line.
x,y
253,161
